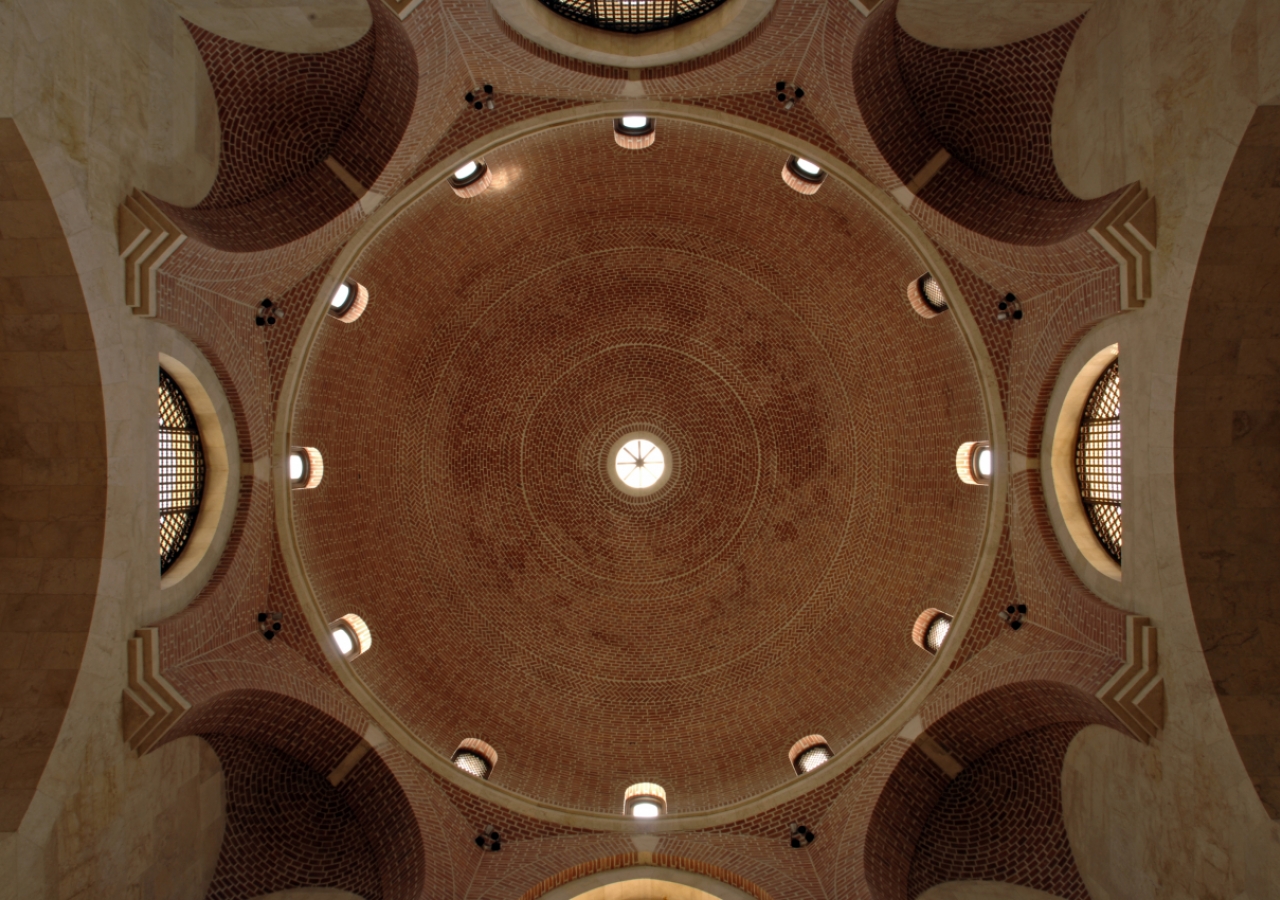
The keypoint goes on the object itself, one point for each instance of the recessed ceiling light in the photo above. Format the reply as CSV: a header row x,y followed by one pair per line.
x,y
809,168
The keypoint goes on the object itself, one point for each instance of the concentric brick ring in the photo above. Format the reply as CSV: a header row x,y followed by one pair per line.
x,y
687,636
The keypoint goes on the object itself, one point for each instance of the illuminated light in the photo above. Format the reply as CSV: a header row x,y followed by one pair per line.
x,y
809,168
635,122
937,632
297,467
466,171
342,638
646,809
339,300
982,461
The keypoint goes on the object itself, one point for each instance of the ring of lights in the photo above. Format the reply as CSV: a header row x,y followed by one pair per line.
x,y
903,709
731,21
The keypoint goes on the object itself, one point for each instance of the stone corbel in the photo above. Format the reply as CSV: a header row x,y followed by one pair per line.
x,y
1135,693
147,237
1127,231
151,705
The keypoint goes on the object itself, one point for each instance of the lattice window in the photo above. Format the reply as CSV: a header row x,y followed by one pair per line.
x,y
181,471
631,16
931,291
1098,460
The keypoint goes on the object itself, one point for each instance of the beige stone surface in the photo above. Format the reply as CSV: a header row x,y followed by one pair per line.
x,y
1162,92
983,890
970,24
291,26
107,97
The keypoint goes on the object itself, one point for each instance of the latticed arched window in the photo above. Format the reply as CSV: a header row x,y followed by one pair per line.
x,y
1098,459
181,471
632,16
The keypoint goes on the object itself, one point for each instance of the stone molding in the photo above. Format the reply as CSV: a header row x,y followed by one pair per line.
x,y
147,237
151,705
1127,231
1135,693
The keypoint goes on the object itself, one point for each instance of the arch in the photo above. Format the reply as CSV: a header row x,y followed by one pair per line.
x,y
200,384
1226,460
590,877
1002,751
288,762
53,439
957,172
606,111
276,185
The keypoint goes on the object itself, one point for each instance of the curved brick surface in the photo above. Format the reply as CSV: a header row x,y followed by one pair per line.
x,y
464,419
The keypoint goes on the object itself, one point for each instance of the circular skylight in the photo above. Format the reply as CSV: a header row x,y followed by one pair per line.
x,y
646,809
635,122
807,167
466,171
640,463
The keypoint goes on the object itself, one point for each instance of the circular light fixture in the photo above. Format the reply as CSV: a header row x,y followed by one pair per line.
x,y
809,753
348,301
350,635
306,467
344,641
477,758
639,463
634,132
937,632
975,462
983,462
811,169
472,763
645,800
803,175
298,467
812,758
341,298
471,179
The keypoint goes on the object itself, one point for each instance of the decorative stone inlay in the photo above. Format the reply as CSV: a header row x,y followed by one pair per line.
x,y
152,705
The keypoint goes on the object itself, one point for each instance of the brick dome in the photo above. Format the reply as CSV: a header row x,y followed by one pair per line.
x,y
689,636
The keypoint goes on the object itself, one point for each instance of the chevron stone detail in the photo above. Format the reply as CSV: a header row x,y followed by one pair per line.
x,y
1135,693
147,237
151,705
1127,231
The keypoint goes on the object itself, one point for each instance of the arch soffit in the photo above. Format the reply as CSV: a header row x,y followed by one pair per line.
x,y
893,213
696,885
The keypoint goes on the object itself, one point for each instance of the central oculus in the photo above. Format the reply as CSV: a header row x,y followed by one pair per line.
x,y
641,463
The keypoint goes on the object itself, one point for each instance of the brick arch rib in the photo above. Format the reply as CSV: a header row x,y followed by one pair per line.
x,y
287,824
1000,817
1000,181
282,116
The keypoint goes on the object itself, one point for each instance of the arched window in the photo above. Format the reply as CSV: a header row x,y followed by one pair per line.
x,y
475,757
181,471
631,16
1098,459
